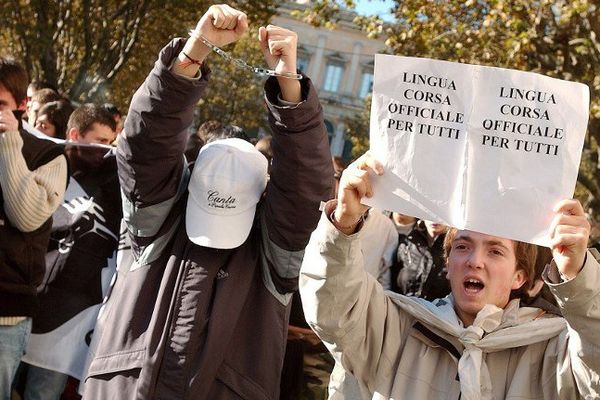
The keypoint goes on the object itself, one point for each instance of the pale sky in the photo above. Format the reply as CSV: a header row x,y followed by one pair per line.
x,y
376,7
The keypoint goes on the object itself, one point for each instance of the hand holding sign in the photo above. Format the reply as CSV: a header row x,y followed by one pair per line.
x,y
479,148
569,233
354,185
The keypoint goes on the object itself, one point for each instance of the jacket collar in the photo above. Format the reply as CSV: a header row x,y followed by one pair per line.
x,y
487,334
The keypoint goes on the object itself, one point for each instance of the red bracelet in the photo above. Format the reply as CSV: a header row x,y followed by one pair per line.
x,y
190,61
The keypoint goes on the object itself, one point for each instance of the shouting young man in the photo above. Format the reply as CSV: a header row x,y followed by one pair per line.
x,y
477,343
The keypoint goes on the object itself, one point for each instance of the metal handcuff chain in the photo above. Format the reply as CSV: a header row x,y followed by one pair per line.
x,y
238,62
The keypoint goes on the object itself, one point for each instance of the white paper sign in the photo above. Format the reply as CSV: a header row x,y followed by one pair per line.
x,y
479,148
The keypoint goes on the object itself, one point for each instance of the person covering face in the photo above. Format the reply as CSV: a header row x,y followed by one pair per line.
x,y
200,307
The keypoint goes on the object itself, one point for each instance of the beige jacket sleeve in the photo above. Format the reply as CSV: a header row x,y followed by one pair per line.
x,y
578,371
346,307
30,197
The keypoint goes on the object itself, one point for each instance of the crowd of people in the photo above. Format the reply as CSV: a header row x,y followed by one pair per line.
x,y
138,261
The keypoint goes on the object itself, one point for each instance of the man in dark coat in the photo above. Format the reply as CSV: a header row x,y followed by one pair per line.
x,y
200,308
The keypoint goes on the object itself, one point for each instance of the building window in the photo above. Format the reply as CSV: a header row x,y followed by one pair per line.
x,y
347,152
330,130
303,64
366,85
333,77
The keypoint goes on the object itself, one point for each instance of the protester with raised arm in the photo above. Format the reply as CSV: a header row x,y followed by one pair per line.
x,y
477,343
201,311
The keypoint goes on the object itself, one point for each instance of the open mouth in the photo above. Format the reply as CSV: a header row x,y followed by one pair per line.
x,y
473,286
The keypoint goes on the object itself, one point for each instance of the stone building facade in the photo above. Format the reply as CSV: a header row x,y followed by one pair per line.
x,y
340,63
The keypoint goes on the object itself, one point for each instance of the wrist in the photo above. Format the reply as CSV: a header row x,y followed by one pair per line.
x,y
345,223
290,90
11,139
198,45
570,273
195,49
190,59
9,131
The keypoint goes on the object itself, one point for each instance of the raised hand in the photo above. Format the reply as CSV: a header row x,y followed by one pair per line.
x,y
222,24
279,48
569,233
354,185
8,122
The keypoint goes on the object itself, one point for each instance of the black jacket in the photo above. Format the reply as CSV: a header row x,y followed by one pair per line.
x,y
85,234
22,254
419,269
191,322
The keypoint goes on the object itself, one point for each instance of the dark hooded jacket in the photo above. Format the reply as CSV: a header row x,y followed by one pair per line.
x,y
190,322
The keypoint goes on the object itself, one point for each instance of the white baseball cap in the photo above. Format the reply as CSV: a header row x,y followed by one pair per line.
x,y
227,182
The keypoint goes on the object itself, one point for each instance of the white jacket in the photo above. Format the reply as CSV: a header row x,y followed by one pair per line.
x,y
404,348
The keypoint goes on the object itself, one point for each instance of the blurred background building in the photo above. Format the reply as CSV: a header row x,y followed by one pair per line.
x,y
340,64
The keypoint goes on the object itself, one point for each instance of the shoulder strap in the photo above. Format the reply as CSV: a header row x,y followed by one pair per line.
x,y
440,341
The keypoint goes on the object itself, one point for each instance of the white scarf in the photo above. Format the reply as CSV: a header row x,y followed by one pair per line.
x,y
494,329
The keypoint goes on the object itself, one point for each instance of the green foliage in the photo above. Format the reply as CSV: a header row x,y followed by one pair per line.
x,y
357,129
101,50
323,12
235,95
558,38
78,45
